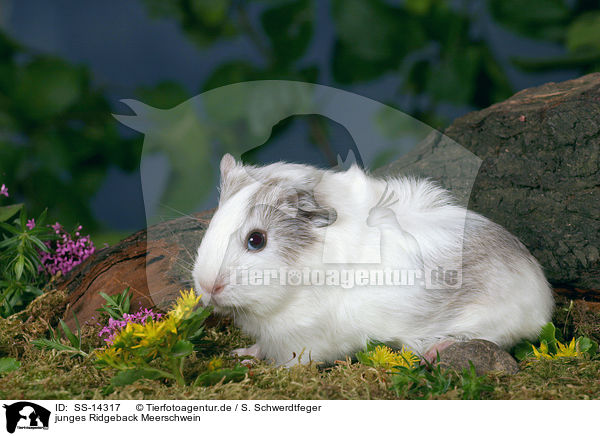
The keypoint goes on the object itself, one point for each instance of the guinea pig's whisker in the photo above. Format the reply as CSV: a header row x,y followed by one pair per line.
x,y
238,308
180,212
184,267
382,196
182,261
392,203
389,198
191,257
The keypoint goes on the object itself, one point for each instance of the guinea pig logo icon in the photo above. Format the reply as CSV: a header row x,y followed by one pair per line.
x,y
183,146
26,415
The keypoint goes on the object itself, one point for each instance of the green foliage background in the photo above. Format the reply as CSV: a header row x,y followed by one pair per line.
x,y
57,136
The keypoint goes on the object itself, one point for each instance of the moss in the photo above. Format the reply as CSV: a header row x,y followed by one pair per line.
x,y
551,379
52,375
19,329
574,318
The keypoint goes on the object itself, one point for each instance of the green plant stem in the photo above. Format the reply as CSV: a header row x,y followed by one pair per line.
x,y
165,374
177,365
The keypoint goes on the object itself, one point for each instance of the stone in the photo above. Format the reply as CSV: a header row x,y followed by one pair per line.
x,y
486,357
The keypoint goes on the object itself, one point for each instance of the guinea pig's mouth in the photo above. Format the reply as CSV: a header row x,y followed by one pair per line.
x,y
220,305
213,298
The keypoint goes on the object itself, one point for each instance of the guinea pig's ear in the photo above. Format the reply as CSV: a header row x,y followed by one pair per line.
x,y
233,177
309,209
227,164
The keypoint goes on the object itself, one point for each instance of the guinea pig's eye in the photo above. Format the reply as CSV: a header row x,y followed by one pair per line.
x,y
256,240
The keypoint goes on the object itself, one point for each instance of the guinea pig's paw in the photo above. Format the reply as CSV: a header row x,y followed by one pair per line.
x,y
248,362
430,355
253,351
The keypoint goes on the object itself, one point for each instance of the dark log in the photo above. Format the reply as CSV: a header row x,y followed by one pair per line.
x,y
540,178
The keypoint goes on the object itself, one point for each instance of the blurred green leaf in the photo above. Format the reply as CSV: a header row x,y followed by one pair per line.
x,y
419,7
231,72
165,95
182,348
582,60
46,87
289,27
522,350
7,212
454,79
203,21
548,335
541,19
587,345
8,364
19,265
584,33
372,38
213,12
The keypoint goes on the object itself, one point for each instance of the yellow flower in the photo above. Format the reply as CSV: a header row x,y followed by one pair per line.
x,y
563,351
409,359
138,343
541,352
215,364
184,305
384,357
125,337
150,335
108,355
170,325
568,350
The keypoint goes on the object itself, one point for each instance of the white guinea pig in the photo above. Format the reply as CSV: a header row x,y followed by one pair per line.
x,y
410,267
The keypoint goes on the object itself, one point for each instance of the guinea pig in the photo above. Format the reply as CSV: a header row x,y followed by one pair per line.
x,y
413,268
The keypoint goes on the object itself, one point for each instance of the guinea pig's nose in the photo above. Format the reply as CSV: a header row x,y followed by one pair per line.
x,y
217,287
211,289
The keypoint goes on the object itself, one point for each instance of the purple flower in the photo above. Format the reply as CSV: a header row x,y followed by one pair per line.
x,y
4,190
30,224
66,252
116,325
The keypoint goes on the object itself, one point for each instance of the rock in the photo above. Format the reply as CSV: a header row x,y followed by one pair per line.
x,y
485,355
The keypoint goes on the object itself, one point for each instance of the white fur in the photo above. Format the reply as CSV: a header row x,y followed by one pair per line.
x,y
323,323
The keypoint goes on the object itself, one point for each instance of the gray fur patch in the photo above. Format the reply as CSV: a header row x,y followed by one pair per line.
x,y
291,234
291,216
486,245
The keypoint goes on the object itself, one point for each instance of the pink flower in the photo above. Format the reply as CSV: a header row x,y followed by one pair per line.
x,y
66,252
3,190
30,224
115,325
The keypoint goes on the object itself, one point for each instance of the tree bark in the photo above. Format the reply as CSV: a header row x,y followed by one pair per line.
x,y
540,178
